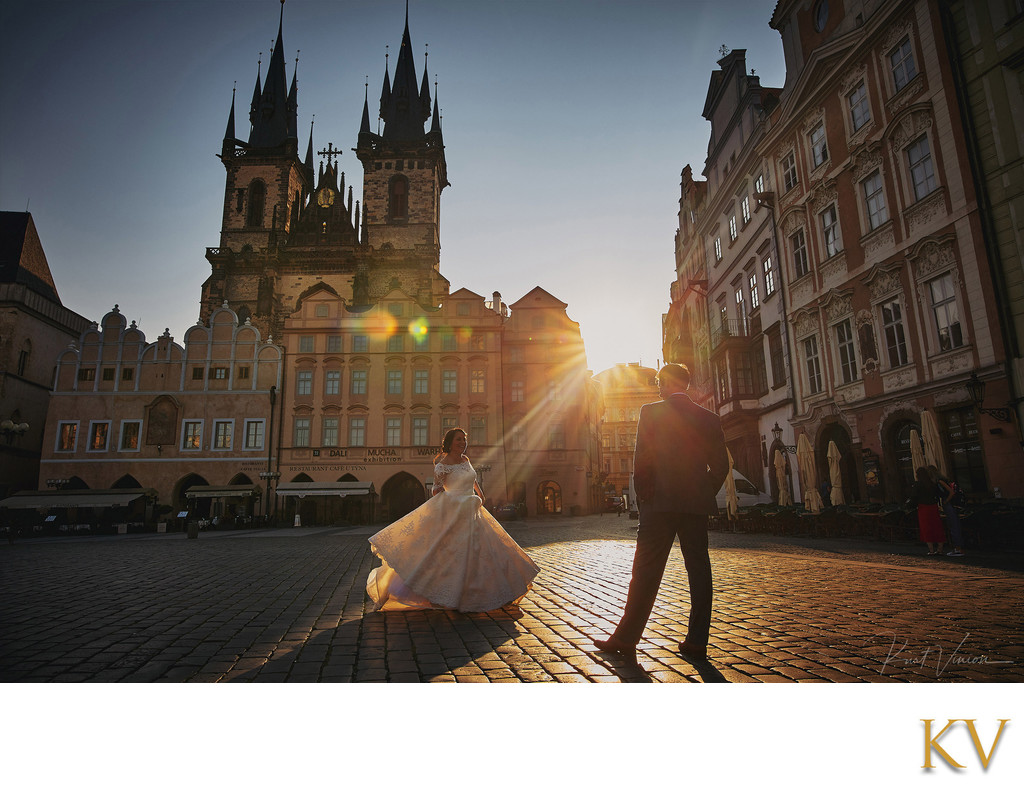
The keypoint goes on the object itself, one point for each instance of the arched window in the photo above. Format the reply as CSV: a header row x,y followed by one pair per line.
x,y
257,201
549,497
398,198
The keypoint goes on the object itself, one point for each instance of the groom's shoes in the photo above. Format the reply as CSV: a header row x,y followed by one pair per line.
x,y
613,646
692,650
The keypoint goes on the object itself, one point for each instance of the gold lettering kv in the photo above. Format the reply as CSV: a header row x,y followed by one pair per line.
x,y
931,742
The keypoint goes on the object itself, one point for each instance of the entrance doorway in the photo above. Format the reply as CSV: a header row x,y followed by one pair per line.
x,y
549,497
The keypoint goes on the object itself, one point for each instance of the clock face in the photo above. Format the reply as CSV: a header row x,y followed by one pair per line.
x,y
325,198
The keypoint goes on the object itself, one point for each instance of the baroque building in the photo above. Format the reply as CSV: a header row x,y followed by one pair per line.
x,y
626,388
869,252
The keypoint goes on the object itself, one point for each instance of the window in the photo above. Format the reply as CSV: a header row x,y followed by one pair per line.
x,y
789,171
478,430
334,343
396,343
741,308
357,432
554,391
253,435
220,373
518,440
23,356
606,440
759,184
257,198
819,145
398,199
99,434
305,345
755,300
393,432
448,342
859,112
922,171
947,318
462,309
243,372
359,343
516,355
394,382
745,209
127,374
421,382
197,374
449,381
902,61
718,248
813,365
895,343
847,354
421,338
222,431
321,310
732,228
330,432
830,229
192,435
518,390
477,380
304,383
332,382
108,374
67,436
359,382
395,309
130,436
420,432
556,437
799,246
744,375
769,277
478,342
301,432
874,198
448,422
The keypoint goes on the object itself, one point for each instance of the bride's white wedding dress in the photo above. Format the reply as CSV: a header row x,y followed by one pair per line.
x,y
449,553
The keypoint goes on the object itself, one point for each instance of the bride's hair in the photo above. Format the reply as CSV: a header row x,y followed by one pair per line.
x,y
449,436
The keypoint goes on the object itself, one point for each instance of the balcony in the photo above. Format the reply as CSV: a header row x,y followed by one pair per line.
x,y
728,329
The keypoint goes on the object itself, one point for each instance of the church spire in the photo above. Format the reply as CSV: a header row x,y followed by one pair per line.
x,y
229,132
404,119
270,129
425,89
364,126
308,164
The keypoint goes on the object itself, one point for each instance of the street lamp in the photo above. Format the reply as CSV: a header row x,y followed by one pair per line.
x,y
976,390
777,433
11,430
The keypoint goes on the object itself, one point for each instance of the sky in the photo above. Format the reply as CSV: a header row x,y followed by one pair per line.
x,y
566,125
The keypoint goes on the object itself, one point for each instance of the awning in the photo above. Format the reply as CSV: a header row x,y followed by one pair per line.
x,y
105,498
209,491
324,489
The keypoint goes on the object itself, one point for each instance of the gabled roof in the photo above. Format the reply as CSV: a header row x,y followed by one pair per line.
x,y
538,298
22,259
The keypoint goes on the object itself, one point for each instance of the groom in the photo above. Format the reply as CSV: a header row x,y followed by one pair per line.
x,y
679,464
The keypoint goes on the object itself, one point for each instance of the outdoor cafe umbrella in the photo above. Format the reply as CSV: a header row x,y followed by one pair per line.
x,y
808,474
731,500
780,475
932,445
916,452
835,474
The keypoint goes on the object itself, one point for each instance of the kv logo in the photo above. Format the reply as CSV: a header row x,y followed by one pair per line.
x,y
932,742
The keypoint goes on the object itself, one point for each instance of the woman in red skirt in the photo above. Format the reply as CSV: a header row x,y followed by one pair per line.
x,y
925,495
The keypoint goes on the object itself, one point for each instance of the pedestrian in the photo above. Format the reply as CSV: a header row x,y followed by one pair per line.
x,y
680,463
925,495
947,489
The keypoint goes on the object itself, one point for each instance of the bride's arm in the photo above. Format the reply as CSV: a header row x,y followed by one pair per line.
x,y
439,478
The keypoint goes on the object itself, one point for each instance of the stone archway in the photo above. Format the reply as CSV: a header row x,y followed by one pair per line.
x,y
199,508
847,463
549,498
399,495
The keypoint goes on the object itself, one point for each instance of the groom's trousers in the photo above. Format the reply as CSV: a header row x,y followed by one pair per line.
x,y
655,535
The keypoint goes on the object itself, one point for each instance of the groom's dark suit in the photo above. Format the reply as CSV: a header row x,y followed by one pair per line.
x,y
679,465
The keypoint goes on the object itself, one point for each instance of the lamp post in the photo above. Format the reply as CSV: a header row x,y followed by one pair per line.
x,y
976,390
10,430
777,434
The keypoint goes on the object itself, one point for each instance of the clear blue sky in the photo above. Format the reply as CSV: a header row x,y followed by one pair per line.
x,y
566,124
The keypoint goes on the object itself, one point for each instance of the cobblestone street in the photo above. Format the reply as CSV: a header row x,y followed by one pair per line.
x,y
289,605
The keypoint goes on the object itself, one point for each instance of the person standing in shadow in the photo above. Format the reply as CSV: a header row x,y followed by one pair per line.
x,y
679,464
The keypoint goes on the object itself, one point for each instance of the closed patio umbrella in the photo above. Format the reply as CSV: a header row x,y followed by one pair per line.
x,y
835,474
780,475
731,500
932,445
808,474
916,451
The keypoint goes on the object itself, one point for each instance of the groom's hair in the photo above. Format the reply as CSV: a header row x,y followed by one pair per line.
x,y
680,374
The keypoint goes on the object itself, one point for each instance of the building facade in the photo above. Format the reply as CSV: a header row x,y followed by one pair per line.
x,y
34,328
626,388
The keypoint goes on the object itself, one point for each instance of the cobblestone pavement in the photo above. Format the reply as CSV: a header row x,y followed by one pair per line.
x,y
289,605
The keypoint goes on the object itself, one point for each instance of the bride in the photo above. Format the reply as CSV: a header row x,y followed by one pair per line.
x,y
449,553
